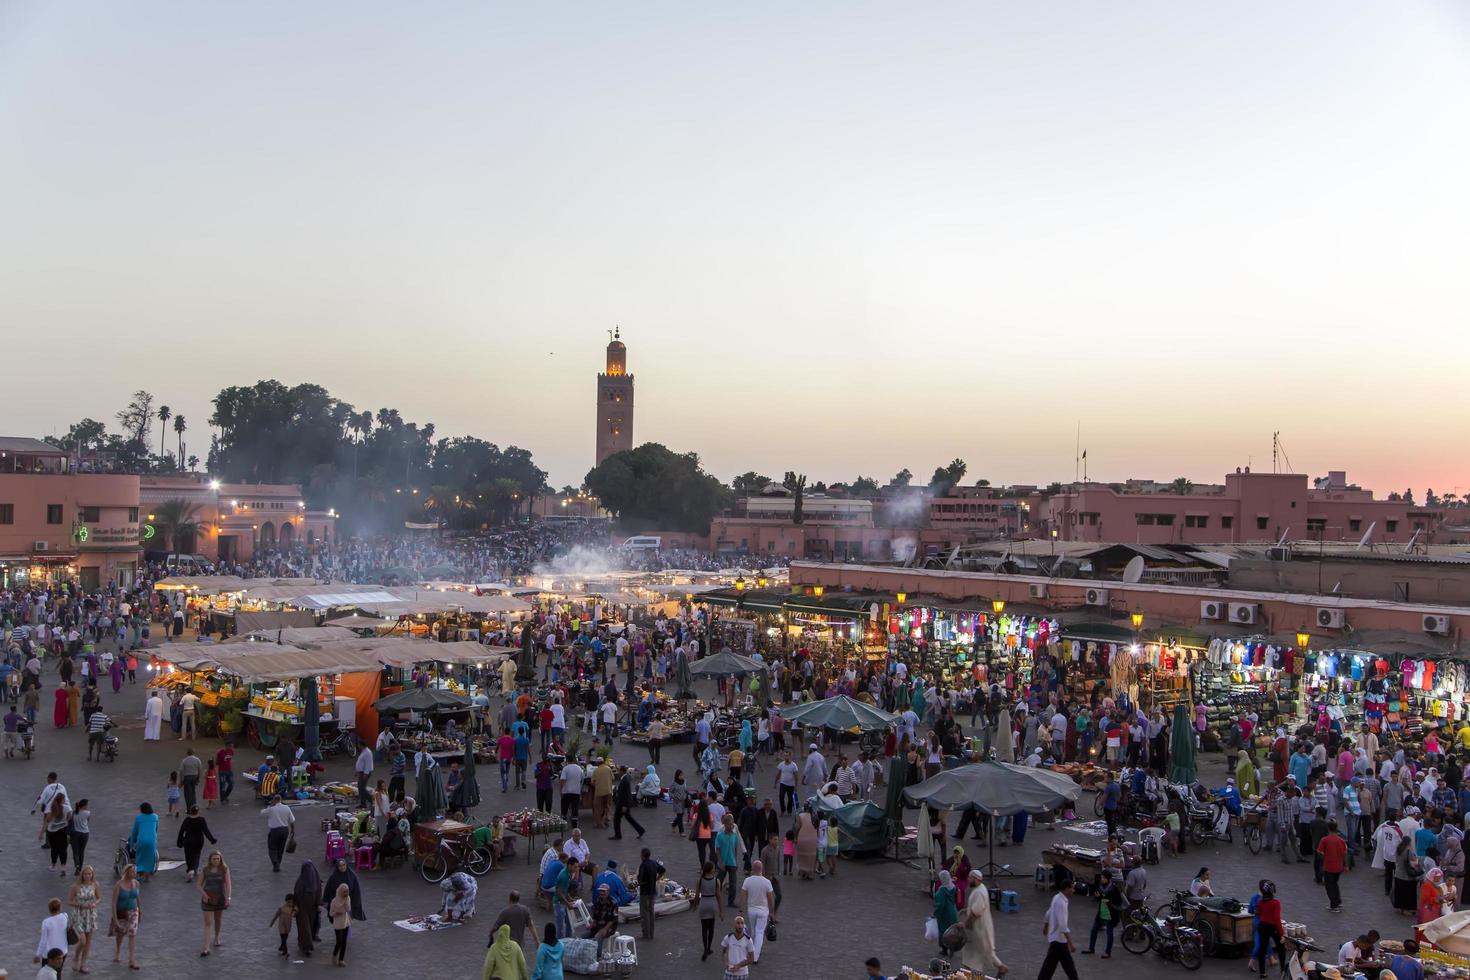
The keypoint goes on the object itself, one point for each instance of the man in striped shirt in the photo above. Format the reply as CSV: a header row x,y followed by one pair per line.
x,y
97,731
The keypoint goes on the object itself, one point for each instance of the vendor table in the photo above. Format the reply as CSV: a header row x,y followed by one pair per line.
x,y
1232,930
1081,862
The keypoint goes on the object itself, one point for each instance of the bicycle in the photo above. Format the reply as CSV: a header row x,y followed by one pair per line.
x,y
122,858
1181,905
454,853
1295,967
1169,936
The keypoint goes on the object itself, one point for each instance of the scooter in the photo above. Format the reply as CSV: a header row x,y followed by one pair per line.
x,y
108,752
25,730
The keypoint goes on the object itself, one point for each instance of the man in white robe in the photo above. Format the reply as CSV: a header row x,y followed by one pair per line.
x,y
152,717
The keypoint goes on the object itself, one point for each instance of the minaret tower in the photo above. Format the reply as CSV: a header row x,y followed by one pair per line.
x,y
614,402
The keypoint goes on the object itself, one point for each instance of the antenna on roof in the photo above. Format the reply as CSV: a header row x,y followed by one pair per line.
x,y
1367,536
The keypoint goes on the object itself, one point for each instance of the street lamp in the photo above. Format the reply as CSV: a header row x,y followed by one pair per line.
x,y
817,590
1303,640
1137,618
740,584
998,606
763,581
902,597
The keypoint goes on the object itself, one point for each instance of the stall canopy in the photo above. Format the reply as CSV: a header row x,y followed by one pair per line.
x,y
284,663
841,712
249,622
726,664
315,595
207,584
422,699
997,788
356,621
296,635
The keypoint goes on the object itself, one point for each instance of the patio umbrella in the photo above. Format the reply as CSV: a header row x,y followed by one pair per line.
x,y
423,699
841,712
311,738
430,795
999,789
1005,741
469,787
1181,748
726,664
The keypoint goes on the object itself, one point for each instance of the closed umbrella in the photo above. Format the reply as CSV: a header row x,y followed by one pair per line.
x,y
430,791
469,787
311,739
1005,740
423,699
1181,748
997,788
841,712
683,682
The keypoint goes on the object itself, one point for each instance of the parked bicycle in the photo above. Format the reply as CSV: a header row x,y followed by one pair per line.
x,y
1187,907
1167,936
455,853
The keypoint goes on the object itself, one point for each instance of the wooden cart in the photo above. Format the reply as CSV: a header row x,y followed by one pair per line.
x,y
1228,932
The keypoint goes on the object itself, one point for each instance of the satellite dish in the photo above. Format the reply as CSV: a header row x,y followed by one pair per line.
x,y
1134,572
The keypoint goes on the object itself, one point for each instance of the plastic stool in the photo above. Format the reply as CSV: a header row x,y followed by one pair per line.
x,y
1045,875
1010,902
364,858
336,846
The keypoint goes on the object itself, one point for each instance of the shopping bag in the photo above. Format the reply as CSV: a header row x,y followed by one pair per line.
x,y
931,929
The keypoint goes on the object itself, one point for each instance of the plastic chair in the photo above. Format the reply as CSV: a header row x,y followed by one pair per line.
x,y
336,846
364,858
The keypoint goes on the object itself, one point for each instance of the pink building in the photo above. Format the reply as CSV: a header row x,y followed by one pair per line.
x,y
237,519
56,525
1249,508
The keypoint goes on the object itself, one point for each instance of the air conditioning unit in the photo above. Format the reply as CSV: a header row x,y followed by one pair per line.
x,y
40,545
1437,624
1333,619
1244,612
1097,597
1038,591
1278,554
1211,610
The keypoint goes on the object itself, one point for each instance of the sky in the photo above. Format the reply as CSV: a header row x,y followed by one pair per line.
x,y
839,238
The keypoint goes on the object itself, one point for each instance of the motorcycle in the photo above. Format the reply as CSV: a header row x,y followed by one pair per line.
x,y
109,746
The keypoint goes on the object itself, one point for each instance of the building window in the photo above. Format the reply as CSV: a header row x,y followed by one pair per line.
x,y
1196,520
91,515
1354,524
53,513
7,513
1143,518
1316,525
132,515
1261,523
1166,519
1227,522
1391,526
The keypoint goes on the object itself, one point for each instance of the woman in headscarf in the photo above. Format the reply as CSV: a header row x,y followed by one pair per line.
x,y
459,896
115,669
649,786
946,913
342,874
144,840
308,892
1245,777
1432,896
958,866
806,845
1452,862
746,739
504,959
59,712
978,954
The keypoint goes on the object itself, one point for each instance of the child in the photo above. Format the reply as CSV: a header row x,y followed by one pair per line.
x,y
788,853
173,795
822,848
832,847
211,785
282,920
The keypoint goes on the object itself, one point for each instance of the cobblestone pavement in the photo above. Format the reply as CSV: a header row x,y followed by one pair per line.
x,y
827,927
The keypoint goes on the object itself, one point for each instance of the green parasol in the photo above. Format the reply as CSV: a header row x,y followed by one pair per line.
x,y
1181,747
841,712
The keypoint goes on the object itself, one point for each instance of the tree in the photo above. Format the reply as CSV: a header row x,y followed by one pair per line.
x,y
651,487
1430,499
193,463
179,426
982,483
1181,485
178,521
86,436
164,414
903,477
797,485
1395,496
137,418
1409,496
819,487
1054,487
946,477
864,486
750,483
1449,500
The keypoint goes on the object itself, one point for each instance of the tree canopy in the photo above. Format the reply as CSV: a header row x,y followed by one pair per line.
x,y
654,487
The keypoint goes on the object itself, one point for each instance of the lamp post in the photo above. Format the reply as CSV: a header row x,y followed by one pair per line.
x,y
997,606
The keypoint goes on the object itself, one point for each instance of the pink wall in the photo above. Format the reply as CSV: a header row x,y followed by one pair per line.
x,y
112,538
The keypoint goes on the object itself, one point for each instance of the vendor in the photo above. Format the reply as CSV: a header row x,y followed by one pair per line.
x,y
612,880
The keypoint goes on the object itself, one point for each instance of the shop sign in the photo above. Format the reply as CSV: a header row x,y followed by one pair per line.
x,y
107,535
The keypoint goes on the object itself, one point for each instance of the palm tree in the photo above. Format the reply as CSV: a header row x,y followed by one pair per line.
x,y
193,463
164,414
180,519
179,426
1181,485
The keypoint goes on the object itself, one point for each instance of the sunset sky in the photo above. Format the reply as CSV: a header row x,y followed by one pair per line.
x,y
841,238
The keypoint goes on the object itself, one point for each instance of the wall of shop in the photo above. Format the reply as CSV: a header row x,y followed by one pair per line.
x,y
1419,580
1160,604
64,524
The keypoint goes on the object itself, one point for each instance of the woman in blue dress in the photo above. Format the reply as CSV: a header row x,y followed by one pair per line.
x,y
144,841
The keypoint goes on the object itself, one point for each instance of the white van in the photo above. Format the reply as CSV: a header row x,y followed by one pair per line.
x,y
644,542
